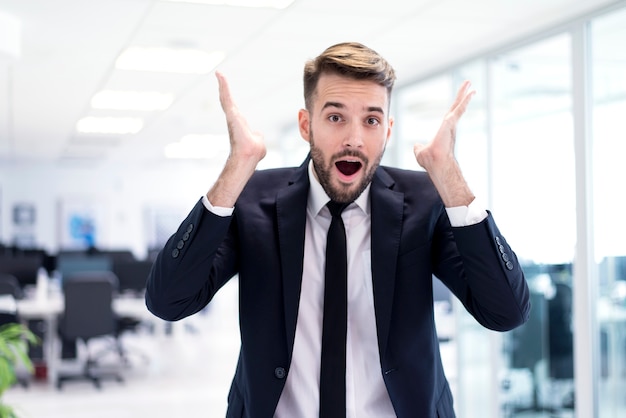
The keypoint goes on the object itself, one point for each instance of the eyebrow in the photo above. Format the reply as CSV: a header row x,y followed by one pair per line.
x,y
342,106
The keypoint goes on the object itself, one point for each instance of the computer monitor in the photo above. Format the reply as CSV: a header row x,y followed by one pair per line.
x,y
69,265
24,268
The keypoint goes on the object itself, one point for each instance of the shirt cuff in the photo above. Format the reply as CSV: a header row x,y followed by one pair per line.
x,y
217,210
472,214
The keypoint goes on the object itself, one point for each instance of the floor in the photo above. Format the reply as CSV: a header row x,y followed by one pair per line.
x,y
188,373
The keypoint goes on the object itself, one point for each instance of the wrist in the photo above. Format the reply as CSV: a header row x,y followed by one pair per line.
x,y
451,186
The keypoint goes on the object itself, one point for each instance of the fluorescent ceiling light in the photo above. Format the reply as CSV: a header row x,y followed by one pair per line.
x,y
169,60
271,4
131,100
10,36
198,146
109,125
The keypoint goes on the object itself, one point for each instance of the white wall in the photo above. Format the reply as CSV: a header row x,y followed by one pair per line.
x,y
125,194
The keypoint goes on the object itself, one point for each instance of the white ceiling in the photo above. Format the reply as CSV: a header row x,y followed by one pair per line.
x,y
68,50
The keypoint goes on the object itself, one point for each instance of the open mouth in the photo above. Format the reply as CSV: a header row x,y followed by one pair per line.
x,y
348,167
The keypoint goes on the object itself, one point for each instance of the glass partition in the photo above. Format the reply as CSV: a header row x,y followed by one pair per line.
x,y
608,36
475,344
533,199
516,147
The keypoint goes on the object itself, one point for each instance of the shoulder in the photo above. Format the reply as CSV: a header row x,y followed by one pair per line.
x,y
267,182
403,179
275,176
413,184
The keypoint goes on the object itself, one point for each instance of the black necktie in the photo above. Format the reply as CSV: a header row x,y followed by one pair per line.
x,y
333,364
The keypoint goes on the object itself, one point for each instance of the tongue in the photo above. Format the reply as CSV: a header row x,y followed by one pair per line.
x,y
348,168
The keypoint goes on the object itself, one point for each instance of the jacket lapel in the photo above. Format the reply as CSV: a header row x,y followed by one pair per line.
x,y
291,203
387,209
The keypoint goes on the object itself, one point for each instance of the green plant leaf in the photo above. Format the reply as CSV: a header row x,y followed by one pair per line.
x,y
7,412
14,340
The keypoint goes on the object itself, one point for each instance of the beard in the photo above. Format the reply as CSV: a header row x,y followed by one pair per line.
x,y
342,193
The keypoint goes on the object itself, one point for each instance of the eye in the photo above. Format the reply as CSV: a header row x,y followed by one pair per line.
x,y
334,118
373,121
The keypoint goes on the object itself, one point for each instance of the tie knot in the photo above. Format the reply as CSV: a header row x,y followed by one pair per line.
x,y
336,208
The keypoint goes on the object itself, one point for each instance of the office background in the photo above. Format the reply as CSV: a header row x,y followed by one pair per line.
x,y
541,143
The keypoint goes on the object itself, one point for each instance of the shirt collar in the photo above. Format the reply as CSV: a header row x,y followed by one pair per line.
x,y
318,197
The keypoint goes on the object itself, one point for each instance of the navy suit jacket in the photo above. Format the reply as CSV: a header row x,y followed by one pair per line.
x,y
263,242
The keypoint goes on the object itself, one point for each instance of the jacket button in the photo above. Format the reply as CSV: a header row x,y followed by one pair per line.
x,y
505,257
509,265
280,372
190,228
185,236
175,252
180,244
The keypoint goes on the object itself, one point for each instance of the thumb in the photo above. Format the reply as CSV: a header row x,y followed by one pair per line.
x,y
418,148
420,155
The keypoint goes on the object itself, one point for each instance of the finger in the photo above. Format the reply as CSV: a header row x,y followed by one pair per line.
x,y
463,97
421,156
224,92
460,94
418,147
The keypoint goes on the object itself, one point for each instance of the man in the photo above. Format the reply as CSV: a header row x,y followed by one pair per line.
x,y
401,227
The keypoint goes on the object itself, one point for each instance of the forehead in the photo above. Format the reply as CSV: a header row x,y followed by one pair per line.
x,y
350,92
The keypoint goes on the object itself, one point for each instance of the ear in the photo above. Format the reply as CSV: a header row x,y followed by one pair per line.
x,y
304,124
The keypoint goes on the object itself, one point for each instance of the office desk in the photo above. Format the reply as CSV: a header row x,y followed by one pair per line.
x,y
48,309
51,307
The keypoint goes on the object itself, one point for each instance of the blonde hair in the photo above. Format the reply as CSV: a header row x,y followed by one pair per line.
x,y
349,59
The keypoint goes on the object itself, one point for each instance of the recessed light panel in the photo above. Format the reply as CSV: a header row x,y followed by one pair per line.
x,y
263,4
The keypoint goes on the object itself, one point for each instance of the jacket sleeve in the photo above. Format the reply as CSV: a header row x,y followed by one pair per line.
x,y
195,262
485,274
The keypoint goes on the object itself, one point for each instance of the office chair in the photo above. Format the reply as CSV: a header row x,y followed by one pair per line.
x,y
10,291
528,348
561,343
132,275
546,338
10,287
88,314
123,325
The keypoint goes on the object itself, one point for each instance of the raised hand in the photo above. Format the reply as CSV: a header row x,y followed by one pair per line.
x,y
441,149
438,159
246,150
244,143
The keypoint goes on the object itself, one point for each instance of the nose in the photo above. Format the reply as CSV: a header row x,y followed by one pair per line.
x,y
354,136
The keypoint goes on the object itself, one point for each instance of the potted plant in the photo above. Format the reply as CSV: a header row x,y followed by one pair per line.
x,y
14,339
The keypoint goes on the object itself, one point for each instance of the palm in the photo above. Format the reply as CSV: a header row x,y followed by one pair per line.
x,y
441,148
243,141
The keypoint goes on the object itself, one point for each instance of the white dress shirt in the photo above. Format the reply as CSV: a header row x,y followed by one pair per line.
x,y
366,394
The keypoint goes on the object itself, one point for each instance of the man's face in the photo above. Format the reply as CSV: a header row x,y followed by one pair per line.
x,y
352,126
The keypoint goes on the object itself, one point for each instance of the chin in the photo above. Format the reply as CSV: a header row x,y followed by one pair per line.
x,y
346,192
